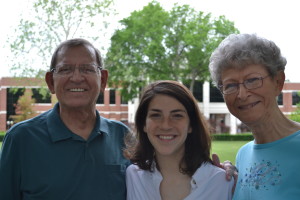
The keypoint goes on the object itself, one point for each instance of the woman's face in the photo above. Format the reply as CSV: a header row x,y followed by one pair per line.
x,y
167,126
251,105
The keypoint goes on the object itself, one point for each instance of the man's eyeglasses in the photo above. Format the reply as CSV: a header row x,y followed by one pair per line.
x,y
68,69
256,81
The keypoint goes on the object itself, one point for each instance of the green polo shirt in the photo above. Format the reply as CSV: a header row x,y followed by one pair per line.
x,y
42,159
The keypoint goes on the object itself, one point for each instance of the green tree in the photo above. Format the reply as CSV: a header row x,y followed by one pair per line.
x,y
154,44
295,116
24,109
51,22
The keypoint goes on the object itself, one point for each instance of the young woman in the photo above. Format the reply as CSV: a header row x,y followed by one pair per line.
x,y
171,157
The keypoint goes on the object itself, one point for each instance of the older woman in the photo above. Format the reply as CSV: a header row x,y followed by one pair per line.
x,y
249,71
171,159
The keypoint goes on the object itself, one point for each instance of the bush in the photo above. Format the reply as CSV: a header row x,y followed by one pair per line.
x,y
237,137
2,136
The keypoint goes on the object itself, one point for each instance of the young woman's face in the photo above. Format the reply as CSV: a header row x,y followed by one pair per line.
x,y
167,126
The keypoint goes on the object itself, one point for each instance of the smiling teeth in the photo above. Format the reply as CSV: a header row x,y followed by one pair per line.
x,y
164,137
76,90
248,106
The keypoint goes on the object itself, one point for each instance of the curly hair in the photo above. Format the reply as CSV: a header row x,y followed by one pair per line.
x,y
241,50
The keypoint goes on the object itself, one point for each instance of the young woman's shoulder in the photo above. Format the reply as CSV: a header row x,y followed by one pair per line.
x,y
208,171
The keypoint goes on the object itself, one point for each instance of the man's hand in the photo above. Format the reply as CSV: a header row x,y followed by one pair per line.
x,y
231,170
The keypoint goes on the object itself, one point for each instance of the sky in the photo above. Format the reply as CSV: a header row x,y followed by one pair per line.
x,y
276,20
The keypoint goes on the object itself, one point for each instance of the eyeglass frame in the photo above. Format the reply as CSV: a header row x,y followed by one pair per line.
x,y
53,70
243,83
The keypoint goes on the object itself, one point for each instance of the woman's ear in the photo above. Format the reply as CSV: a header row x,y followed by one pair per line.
x,y
280,79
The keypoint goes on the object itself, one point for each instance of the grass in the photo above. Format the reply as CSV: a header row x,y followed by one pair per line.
x,y
227,150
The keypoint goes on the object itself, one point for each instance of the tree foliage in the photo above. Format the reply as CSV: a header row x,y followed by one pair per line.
x,y
155,44
24,109
51,22
295,116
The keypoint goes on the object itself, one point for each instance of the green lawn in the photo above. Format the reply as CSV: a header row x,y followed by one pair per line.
x,y
227,150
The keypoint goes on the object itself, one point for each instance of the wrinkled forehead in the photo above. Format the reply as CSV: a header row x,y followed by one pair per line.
x,y
77,51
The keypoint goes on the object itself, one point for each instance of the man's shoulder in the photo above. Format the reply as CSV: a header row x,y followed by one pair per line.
x,y
112,124
22,129
29,123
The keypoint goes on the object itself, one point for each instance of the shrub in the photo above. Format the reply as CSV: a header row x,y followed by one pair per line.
x,y
237,137
2,136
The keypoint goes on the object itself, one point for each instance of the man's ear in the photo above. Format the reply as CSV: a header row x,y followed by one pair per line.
x,y
104,77
280,79
50,82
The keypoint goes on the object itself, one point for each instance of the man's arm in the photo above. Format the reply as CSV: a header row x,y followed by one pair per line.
x,y
9,170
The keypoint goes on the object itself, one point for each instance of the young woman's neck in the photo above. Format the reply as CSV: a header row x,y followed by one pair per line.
x,y
169,164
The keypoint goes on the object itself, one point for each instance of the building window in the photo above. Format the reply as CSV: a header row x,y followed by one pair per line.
x,y
112,96
197,91
13,95
100,99
296,98
41,95
215,94
123,101
280,99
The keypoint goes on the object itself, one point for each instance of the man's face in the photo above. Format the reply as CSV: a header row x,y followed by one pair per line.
x,y
76,89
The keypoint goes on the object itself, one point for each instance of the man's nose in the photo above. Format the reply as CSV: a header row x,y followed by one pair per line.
x,y
76,74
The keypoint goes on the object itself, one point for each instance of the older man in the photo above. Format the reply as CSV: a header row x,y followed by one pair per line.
x,y
70,151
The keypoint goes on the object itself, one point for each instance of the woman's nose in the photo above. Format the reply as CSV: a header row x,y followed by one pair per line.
x,y
242,92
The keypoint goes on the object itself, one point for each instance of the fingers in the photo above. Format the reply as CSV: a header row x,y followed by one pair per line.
x,y
231,170
216,160
235,177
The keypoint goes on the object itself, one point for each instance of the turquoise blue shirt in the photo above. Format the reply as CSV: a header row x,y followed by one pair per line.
x,y
42,159
269,171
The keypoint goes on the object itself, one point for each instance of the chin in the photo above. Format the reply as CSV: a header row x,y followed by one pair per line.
x,y
79,105
250,121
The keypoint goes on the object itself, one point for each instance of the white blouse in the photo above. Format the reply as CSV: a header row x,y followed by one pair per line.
x,y
208,183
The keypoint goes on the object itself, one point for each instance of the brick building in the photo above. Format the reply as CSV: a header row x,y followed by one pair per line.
x,y
111,106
